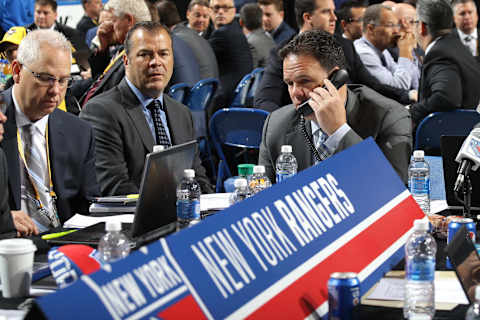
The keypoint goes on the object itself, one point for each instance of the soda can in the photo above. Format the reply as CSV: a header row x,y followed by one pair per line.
x,y
454,225
343,295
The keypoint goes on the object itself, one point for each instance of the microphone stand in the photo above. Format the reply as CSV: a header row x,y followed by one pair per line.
x,y
467,197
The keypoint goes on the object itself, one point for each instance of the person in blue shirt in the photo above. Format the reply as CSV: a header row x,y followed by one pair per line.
x,y
15,13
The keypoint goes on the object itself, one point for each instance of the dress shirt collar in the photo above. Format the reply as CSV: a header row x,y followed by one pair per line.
x,y
22,120
462,35
430,46
144,100
368,43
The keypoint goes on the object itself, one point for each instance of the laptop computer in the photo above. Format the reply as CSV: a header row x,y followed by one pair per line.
x,y
155,213
450,145
464,257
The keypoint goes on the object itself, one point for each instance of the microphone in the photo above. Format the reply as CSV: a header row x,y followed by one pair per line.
x,y
468,157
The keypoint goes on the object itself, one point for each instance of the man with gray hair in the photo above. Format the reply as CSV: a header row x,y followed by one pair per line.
x,y
381,31
50,153
450,73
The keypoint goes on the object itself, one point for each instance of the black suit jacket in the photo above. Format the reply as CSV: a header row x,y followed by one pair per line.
x,y
6,222
76,38
272,92
449,79
85,24
234,59
124,138
455,33
72,157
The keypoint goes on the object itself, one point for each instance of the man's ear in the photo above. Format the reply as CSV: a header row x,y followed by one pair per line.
x,y
125,60
16,68
307,17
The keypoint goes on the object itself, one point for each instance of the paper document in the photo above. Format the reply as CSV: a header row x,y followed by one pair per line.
x,y
447,290
12,314
214,201
82,221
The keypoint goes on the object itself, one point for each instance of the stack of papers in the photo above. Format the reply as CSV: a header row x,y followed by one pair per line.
x,y
79,221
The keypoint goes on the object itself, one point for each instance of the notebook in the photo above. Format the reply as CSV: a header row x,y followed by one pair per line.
x,y
450,145
155,214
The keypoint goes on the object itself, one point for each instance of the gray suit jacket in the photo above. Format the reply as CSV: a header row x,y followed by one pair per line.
x,y
368,114
201,49
260,46
124,138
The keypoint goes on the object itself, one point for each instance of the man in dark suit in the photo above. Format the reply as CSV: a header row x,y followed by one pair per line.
x,y
198,17
272,20
319,15
50,153
466,19
450,73
135,115
6,222
45,15
341,118
231,49
89,20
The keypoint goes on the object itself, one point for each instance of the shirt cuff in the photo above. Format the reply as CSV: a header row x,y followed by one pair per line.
x,y
333,140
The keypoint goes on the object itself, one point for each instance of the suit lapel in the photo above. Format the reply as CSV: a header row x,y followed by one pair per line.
x,y
174,116
134,110
58,155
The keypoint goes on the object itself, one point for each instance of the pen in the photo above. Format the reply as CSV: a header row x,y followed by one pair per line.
x,y
56,235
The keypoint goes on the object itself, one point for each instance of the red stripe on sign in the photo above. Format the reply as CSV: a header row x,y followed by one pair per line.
x,y
187,308
306,294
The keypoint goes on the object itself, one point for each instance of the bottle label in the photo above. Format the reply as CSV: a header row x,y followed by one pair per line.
x,y
421,269
283,176
188,209
419,185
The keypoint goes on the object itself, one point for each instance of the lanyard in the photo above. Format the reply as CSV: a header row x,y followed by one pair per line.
x,y
22,155
112,62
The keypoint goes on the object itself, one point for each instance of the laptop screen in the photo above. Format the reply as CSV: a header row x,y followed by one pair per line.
x,y
163,171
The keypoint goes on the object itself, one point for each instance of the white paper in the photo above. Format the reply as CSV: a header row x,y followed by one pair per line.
x,y
438,205
12,314
214,201
447,290
82,221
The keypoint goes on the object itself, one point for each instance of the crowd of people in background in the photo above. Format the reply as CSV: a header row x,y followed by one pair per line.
x,y
85,104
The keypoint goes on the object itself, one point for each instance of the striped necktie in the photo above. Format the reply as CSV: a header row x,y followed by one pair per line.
x,y
320,144
155,108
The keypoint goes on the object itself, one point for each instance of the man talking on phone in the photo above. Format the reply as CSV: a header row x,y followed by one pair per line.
x,y
341,117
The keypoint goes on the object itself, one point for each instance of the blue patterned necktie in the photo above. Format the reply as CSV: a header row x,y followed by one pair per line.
x,y
320,145
155,108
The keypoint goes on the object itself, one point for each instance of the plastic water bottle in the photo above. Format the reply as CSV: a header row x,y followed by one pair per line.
x,y
241,191
473,312
188,199
420,250
286,164
259,180
114,245
419,180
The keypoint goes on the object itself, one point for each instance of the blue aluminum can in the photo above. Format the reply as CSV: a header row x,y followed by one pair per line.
x,y
454,226
343,295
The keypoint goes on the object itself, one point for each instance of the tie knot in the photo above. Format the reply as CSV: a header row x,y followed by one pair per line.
x,y
468,38
155,104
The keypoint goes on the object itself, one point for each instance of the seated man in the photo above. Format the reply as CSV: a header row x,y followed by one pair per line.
x,y
341,118
89,20
381,31
272,20
450,72
198,17
351,18
50,153
466,19
136,114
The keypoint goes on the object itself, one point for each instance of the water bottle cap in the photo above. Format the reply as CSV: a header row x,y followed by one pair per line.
x,y
189,173
286,148
420,224
113,226
477,292
259,169
240,182
158,148
245,169
418,154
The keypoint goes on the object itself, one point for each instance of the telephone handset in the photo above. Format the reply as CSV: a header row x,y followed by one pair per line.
x,y
338,78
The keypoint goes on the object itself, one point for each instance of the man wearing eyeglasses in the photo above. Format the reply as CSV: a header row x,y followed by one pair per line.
x,y
351,17
231,49
50,153
381,31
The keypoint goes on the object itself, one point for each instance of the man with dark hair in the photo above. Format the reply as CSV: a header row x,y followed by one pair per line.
x,y
136,114
466,19
351,18
381,31
450,73
198,17
341,118
260,43
45,14
89,20
273,22
318,15
205,57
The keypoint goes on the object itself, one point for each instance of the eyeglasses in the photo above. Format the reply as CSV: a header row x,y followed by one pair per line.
x,y
48,80
225,8
389,25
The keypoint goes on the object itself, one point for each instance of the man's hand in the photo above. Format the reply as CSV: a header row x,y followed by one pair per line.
x,y
23,223
105,35
405,44
328,105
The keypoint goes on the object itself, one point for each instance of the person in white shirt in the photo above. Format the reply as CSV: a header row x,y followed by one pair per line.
x,y
466,18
